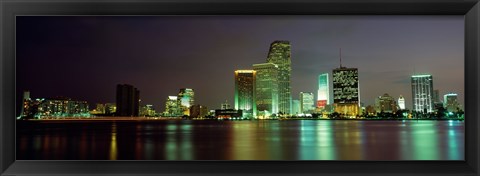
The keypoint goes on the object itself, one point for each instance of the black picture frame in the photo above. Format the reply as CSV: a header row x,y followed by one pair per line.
x,y
10,8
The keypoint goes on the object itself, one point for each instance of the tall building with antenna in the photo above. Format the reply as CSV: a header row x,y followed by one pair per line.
x,y
346,90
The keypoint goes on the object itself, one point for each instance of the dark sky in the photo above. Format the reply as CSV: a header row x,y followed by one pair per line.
x,y
85,57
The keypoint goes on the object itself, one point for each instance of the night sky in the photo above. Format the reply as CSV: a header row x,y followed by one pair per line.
x,y
85,57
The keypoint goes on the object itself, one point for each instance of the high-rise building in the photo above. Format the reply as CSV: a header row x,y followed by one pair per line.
x,y
450,102
25,103
172,107
296,107
306,102
385,103
186,98
198,111
279,54
323,96
128,99
346,91
147,111
401,102
245,92
422,93
266,89
436,96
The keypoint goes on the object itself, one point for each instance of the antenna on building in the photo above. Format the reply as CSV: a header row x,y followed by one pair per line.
x,y
340,57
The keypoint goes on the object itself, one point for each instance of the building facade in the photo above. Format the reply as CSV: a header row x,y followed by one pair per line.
x,y
450,102
279,54
346,91
385,103
186,100
306,102
296,107
401,102
422,93
128,99
266,89
323,94
172,107
245,92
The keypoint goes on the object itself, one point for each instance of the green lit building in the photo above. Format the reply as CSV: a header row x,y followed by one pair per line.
x,y
279,54
186,100
245,92
306,102
323,94
266,89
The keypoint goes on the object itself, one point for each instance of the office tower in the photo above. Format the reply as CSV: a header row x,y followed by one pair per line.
x,y
198,111
266,89
422,93
323,96
128,98
279,54
346,91
25,103
401,102
306,102
436,96
172,107
385,103
296,107
61,107
450,102
245,92
186,98
147,111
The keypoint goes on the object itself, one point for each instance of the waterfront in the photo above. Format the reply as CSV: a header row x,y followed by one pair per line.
x,y
240,140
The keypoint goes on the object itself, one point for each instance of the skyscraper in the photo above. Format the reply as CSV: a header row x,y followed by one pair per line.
x,y
323,96
401,102
127,100
172,107
422,93
186,100
245,92
266,89
306,102
279,54
450,102
346,91
296,107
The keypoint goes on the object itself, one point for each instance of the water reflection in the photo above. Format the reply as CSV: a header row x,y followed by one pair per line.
x,y
242,140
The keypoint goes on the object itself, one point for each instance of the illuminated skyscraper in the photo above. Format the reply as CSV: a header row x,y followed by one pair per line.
x,y
306,102
422,93
186,98
346,91
296,107
323,96
450,102
401,102
245,92
172,107
266,89
128,98
279,54
385,103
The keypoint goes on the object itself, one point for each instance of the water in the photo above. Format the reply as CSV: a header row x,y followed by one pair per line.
x,y
241,140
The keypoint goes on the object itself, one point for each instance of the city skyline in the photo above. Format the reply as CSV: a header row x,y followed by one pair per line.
x,y
99,60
